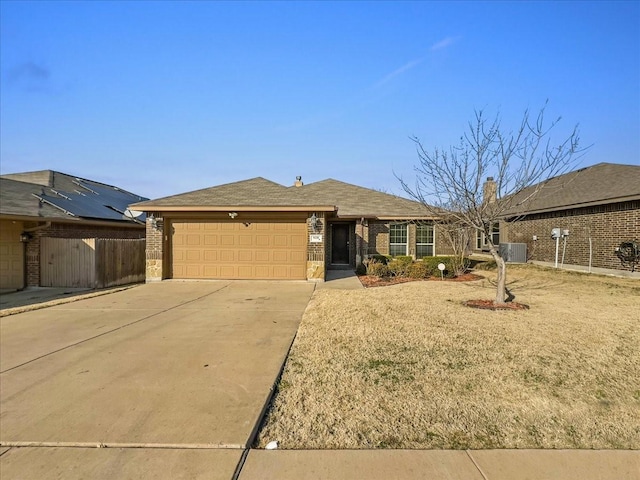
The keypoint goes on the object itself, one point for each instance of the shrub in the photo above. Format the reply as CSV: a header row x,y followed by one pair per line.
x,y
449,264
398,268
379,258
404,258
361,269
378,269
488,265
419,270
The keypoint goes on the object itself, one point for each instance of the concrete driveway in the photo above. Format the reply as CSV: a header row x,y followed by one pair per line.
x,y
171,378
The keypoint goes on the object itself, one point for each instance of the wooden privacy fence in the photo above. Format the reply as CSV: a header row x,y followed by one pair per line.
x,y
91,262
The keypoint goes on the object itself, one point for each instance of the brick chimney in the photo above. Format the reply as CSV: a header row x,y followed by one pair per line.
x,y
298,182
489,191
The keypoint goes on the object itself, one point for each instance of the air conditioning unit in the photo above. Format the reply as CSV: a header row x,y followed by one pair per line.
x,y
513,252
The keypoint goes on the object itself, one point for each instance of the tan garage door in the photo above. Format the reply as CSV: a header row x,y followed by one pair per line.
x,y
11,255
239,250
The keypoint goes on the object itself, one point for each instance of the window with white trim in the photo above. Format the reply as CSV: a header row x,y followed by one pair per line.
x,y
397,239
424,240
481,239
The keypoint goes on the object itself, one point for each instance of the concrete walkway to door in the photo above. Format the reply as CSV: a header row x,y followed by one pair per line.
x,y
171,377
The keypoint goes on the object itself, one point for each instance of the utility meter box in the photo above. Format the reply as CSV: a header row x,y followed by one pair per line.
x,y
556,233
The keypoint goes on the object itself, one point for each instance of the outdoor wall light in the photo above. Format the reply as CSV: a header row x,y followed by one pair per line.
x,y
153,222
25,237
233,215
314,222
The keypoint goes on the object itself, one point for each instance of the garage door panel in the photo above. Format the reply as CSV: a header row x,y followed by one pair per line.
x,y
210,256
297,257
228,240
298,240
234,249
280,240
210,239
245,240
227,256
227,271
281,256
193,271
262,256
245,256
210,271
245,271
193,255
262,271
193,240
262,240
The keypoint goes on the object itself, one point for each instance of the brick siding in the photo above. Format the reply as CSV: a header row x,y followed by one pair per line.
x,y
606,225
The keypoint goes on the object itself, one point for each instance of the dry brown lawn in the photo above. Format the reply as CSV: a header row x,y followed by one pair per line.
x,y
408,366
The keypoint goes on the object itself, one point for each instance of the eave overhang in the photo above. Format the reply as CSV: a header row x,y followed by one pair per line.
x,y
74,221
572,206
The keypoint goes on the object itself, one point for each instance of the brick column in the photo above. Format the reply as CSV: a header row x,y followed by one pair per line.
x,y
316,251
154,250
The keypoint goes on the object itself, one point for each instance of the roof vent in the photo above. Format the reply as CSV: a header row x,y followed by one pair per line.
x,y
298,182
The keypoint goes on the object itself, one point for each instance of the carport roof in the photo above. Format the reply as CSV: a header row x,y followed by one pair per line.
x,y
260,194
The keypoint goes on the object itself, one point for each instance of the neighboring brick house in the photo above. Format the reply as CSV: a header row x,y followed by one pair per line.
x,y
599,206
35,205
258,229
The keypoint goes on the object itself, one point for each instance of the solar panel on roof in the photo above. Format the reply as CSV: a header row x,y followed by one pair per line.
x,y
97,202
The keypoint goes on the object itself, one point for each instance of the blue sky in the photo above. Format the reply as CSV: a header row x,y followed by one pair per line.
x,y
166,97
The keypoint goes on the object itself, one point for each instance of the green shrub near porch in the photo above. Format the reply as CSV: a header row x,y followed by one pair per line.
x,y
399,266
433,262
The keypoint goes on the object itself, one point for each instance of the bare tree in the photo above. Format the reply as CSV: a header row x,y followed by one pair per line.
x,y
518,161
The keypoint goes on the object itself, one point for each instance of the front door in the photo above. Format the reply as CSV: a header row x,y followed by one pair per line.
x,y
340,243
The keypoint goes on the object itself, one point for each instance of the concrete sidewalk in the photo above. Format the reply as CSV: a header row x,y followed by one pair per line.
x,y
340,280
219,464
442,465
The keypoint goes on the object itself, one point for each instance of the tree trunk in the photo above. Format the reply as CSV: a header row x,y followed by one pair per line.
x,y
501,289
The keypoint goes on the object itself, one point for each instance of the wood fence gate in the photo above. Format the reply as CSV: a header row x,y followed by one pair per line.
x,y
91,262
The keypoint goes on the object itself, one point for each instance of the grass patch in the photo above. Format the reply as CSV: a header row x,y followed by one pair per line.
x,y
408,366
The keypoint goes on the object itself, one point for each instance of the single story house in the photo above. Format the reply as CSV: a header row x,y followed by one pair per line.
x,y
50,204
259,229
595,209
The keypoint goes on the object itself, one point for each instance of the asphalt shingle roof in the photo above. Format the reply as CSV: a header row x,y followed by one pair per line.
x,y
596,185
253,192
350,200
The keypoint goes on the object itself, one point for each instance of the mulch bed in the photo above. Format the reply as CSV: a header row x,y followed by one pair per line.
x,y
372,281
491,305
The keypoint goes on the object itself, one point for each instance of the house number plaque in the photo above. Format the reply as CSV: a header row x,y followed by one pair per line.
x,y
315,238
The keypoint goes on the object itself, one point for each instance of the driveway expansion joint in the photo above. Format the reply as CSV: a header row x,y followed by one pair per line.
x,y
468,452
